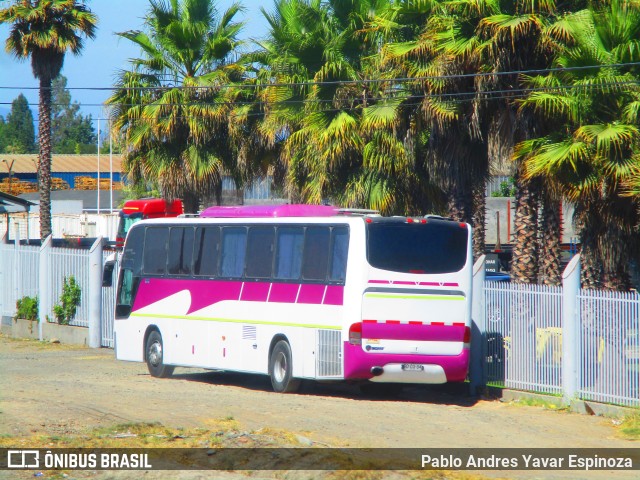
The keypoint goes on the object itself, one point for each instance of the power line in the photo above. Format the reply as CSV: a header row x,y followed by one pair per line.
x,y
480,95
345,82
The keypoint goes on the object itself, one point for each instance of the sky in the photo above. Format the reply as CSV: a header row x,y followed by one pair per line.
x,y
102,57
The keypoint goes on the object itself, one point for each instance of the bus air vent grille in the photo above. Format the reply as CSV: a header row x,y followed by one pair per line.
x,y
248,332
329,358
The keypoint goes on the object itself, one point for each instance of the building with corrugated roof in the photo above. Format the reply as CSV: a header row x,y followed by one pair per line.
x,y
66,168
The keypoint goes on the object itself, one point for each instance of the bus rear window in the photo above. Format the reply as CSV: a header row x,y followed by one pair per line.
x,y
433,247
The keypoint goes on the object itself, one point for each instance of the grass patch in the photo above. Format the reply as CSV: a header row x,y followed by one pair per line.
x,y
630,427
540,403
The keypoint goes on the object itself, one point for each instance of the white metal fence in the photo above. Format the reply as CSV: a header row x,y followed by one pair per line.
x,y
21,274
66,263
109,304
523,331
19,271
63,225
609,332
582,344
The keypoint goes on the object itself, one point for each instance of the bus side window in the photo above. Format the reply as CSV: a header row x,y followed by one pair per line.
x,y
339,250
260,252
180,251
155,250
206,247
316,253
289,253
234,247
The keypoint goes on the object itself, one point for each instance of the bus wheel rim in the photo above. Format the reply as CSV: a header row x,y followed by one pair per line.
x,y
155,354
280,367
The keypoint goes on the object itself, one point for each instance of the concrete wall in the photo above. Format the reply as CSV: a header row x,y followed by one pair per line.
x,y
21,328
504,209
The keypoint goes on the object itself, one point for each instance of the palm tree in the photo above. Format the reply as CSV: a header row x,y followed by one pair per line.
x,y
44,30
334,133
173,107
594,152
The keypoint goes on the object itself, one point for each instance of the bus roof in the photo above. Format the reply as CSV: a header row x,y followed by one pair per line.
x,y
270,211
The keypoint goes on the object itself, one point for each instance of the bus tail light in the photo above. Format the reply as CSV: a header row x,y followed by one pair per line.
x,y
355,334
467,335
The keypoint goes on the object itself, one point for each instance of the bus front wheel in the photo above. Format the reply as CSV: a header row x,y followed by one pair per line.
x,y
281,369
154,355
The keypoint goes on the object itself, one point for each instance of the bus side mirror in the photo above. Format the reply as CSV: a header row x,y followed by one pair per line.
x,y
107,273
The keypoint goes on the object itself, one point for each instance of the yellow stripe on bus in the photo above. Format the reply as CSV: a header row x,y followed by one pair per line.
x,y
233,320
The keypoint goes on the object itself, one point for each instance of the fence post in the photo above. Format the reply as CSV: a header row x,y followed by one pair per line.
x,y
17,277
570,339
44,284
95,294
477,364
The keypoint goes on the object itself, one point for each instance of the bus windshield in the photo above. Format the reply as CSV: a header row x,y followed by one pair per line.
x,y
432,247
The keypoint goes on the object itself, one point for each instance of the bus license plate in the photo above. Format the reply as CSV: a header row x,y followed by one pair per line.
x,y
414,367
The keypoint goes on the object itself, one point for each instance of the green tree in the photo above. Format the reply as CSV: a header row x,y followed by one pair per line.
x,y
329,124
594,150
170,107
19,130
3,138
44,30
71,131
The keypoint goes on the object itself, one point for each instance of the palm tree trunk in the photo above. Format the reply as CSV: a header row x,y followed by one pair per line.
x,y
191,202
591,268
460,204
615,262
44,159
550,242
524,264
479,214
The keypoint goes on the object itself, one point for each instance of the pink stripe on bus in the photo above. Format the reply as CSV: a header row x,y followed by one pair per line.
x,y
255,292
311,293
284,292
209,292
334,295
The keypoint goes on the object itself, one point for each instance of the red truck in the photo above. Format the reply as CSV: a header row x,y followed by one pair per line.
x,y
136,210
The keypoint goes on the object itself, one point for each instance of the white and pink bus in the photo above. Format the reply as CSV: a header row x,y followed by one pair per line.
x,y
298,292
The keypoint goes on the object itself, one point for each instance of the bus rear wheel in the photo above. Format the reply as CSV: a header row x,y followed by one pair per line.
x,y
281,369
154,356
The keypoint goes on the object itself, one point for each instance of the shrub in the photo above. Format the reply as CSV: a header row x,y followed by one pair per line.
x,y
27,307
507,189
69,301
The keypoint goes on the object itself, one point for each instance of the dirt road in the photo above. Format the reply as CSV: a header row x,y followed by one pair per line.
x,y
51,389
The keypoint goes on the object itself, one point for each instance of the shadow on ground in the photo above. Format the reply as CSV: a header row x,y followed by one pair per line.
x,y
448,394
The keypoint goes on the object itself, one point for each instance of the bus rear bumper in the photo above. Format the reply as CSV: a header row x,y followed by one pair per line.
x,y
392,368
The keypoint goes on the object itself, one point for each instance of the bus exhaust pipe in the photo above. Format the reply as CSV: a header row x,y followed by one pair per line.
x,y
377,371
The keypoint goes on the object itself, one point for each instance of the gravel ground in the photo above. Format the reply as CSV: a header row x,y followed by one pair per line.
x,y
62,390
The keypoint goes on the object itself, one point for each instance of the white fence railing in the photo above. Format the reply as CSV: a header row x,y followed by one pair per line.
x,y
523,329
109,304
583,344
609,332
66,263
63,225
19,271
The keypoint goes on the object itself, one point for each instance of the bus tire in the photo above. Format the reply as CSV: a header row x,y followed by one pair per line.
x,y
154,356
281,369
